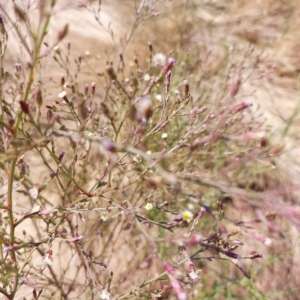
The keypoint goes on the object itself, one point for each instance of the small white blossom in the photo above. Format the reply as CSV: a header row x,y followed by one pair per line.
x,y
105,295
149,206
147,77
35,209
158,97
164,135
33,192
104,216
137,159
187,216
48,258
194,276
89,134
62,94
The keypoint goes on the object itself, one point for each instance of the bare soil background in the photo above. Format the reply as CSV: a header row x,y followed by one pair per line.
x,y
258,38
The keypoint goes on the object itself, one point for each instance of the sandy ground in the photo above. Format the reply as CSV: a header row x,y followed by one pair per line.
x,y
219,29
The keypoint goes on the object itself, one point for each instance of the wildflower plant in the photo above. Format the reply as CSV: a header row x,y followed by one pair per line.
x,y
129,192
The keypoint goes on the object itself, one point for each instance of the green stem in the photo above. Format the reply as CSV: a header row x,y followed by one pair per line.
x,y
11,223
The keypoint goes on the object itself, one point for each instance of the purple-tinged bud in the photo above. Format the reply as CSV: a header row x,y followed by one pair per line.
x,y
235,85
93,85
76,239
62,33
1,22
168,66
49,115
146,224
150,47
232,255
168,80
234,232
195,240
11,122
261,238
181,295
201,213
186,87
237,242
62,231
24,107
225,245
61,155
254,254
38,97
236,108
86,90
56,118
34,294
169,268
108,145
18,67
263,142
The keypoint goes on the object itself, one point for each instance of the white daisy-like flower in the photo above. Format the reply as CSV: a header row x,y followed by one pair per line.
x,y
158,97
104,216
149,206
48,258
89,134
187,216
159,60
105,295
164,135
33,192
147,77
194,276
35,209
62,94
137,159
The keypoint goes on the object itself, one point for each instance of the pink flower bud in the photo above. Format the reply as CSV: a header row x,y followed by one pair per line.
x,y
61,155
201,213
63,32
186,87
168,66
108,145
235,85
24,107
232,255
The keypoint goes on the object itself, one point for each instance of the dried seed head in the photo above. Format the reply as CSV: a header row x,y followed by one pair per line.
x,y
38,97
142,109
111,72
